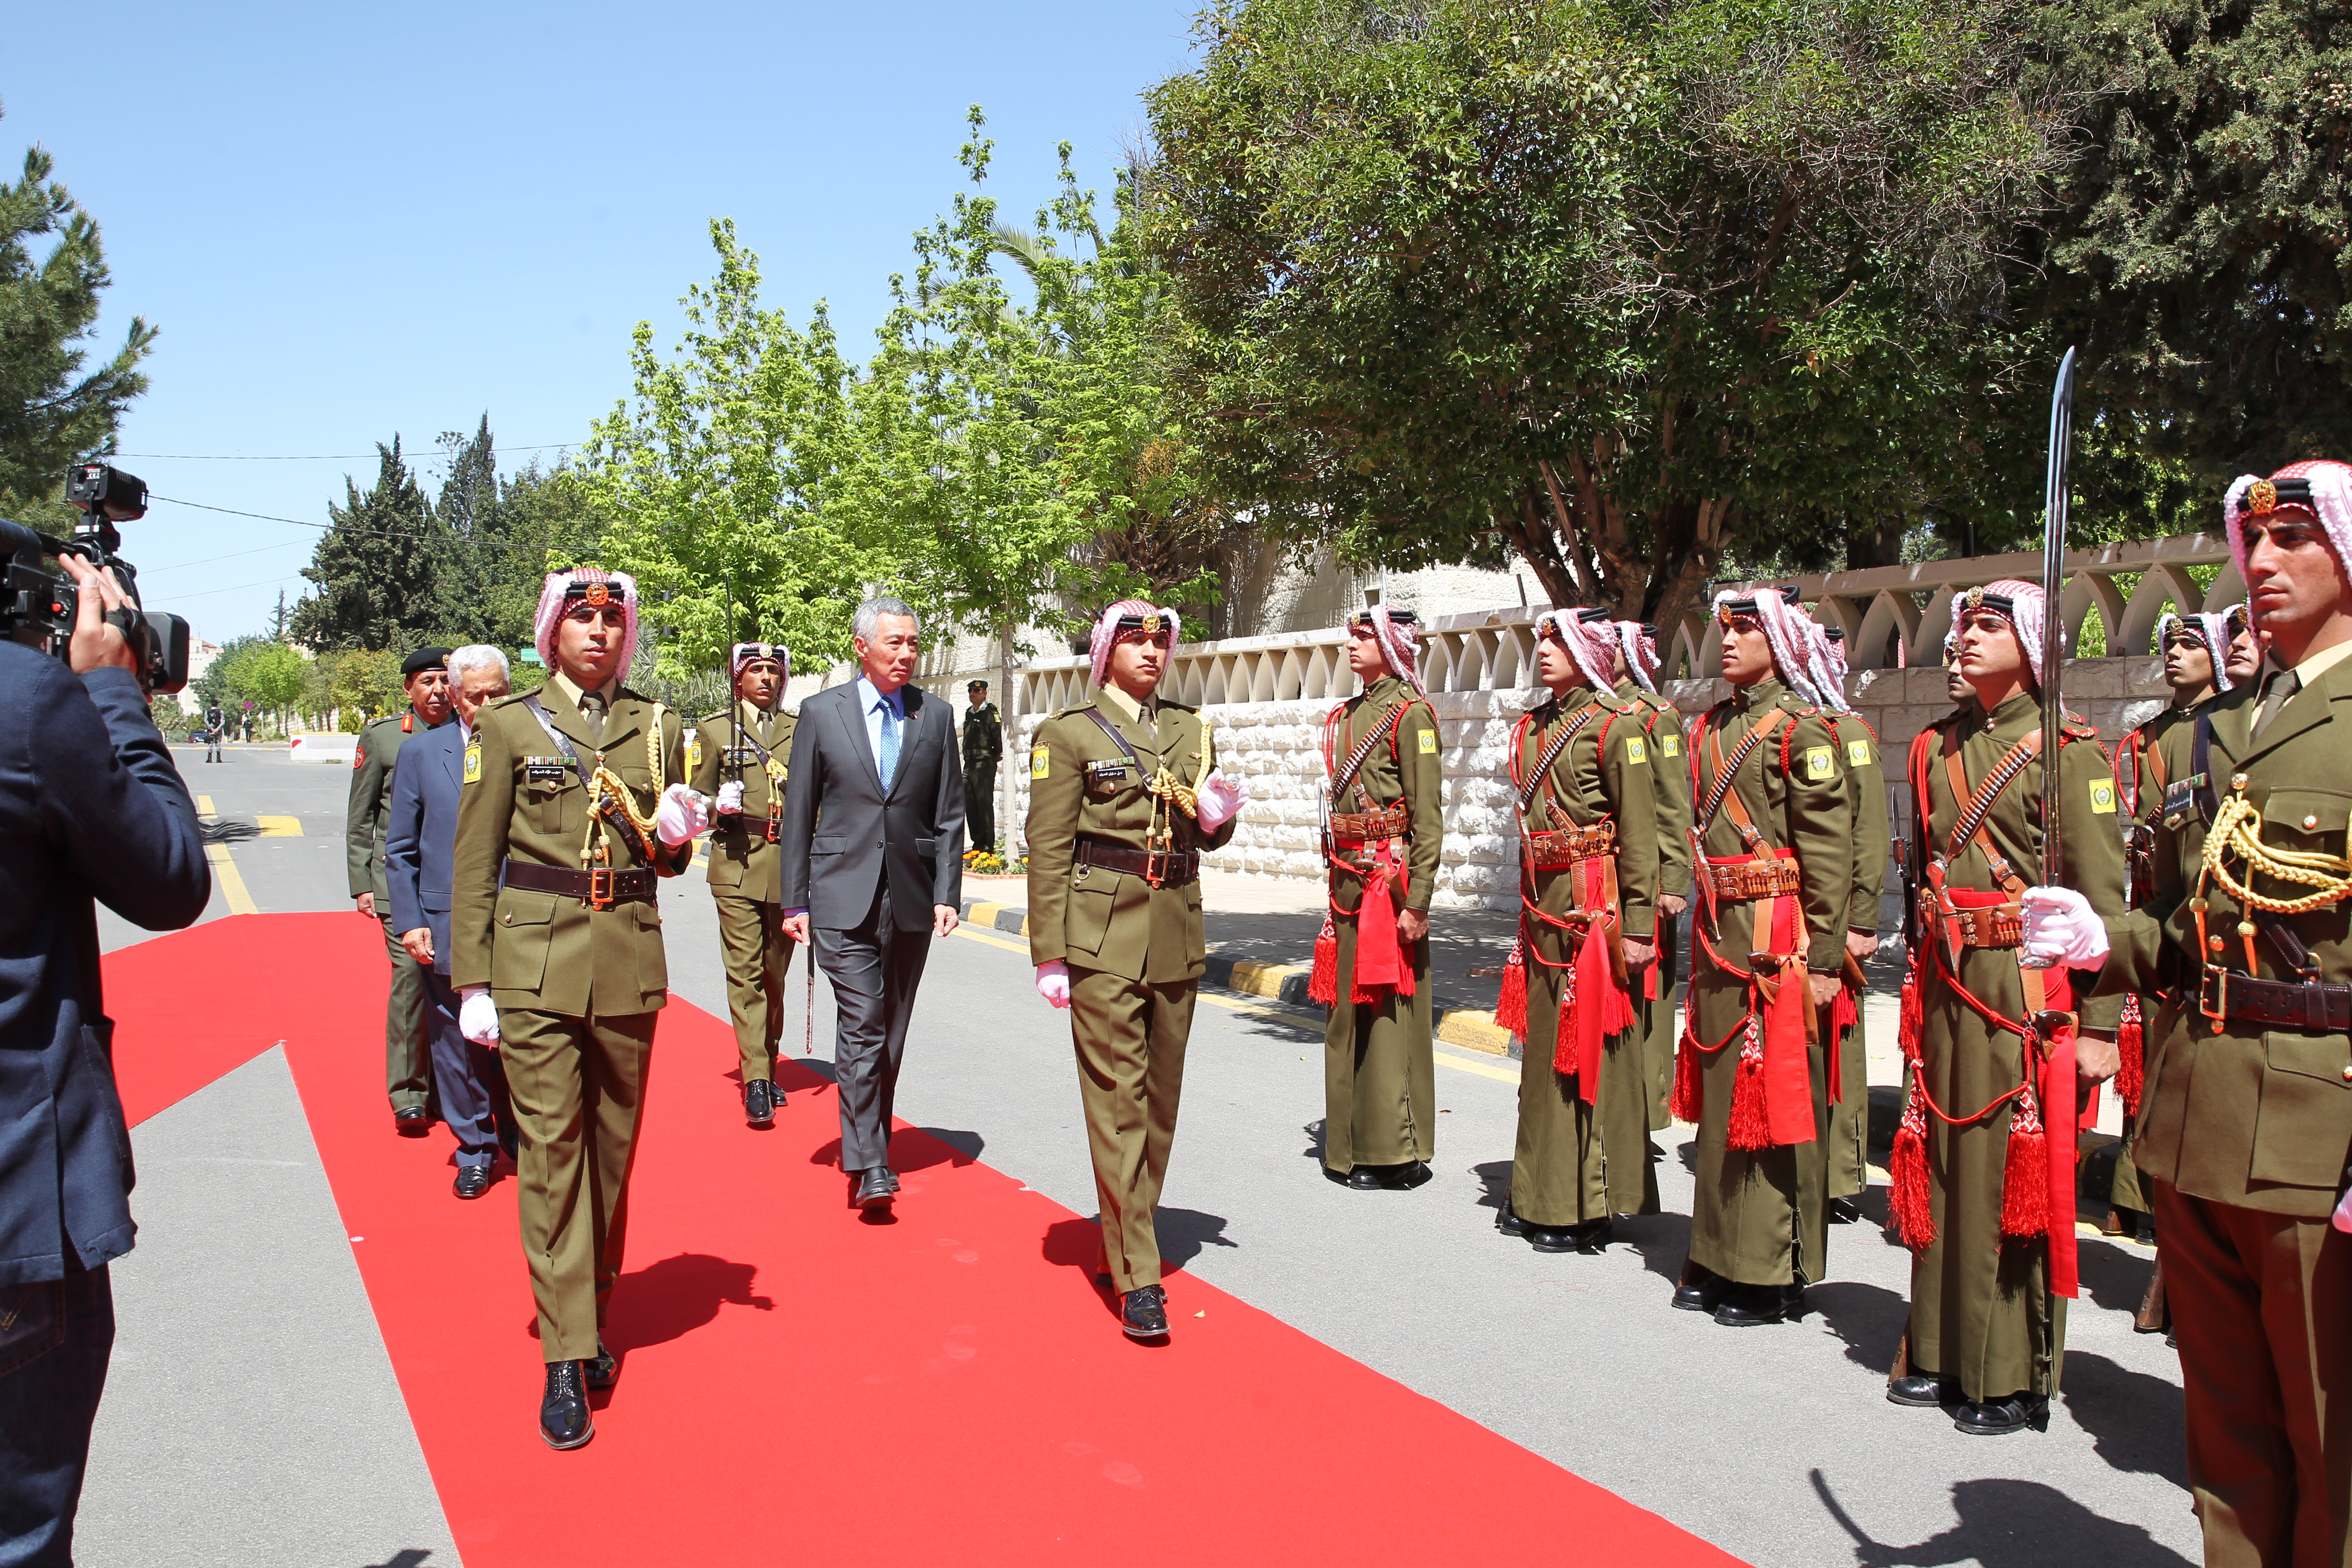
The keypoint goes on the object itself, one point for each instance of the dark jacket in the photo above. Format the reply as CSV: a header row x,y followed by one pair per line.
x,y
90,805
421,834
918,830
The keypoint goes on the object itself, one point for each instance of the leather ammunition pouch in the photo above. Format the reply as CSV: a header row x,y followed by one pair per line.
x,y
1749,880
1994,925
1567,846
1360,827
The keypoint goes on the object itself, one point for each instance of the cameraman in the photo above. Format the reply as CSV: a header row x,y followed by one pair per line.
x,y
91,806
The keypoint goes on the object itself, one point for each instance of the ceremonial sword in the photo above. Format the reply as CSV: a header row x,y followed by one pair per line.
x,y
2053,716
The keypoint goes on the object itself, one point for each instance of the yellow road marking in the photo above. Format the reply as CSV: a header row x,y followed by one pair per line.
x,y
991,938
1483,1069
279,826
225,872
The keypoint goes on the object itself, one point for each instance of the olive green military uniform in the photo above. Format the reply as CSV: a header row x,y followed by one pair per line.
x,y
576,987
731,744
1670,790
1981,1311
983,748
2140,771
1380,1067
2244,1131
1757,1216
407,1049
1136,951
1576,1162
1849,1140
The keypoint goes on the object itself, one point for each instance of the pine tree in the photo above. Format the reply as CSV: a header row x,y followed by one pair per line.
x,y
469,508
380,567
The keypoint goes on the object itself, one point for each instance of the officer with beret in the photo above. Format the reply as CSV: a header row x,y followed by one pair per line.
x,y
984,747
407,1049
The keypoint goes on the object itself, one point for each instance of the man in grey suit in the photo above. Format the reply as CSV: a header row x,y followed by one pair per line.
x,y
420,834
874,761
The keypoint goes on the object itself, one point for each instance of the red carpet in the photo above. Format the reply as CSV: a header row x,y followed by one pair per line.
x,y
799,1386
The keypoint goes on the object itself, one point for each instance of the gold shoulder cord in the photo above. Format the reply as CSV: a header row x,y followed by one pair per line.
x,y
605,786
2238,829
1168,796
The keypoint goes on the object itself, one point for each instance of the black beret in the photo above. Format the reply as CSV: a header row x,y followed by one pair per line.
x,y
976,686
423,659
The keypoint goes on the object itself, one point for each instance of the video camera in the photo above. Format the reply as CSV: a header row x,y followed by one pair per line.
x,y
39,607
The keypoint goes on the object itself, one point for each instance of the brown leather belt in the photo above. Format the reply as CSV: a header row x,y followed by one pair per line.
x,y
1172,869
1997,926
2274,1004
757,829
1368,827
1567,846
1752,879
597,889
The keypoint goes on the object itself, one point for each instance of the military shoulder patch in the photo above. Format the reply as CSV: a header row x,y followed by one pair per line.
x,y
1820,762
474,762
2102,796
1670,746
693,749
1040,760
1428,743
1857,752
1635,750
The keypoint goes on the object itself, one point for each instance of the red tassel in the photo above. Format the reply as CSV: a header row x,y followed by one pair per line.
x,y
1689,1096
2025,1175
1323,985
1907,1170
1751,1128
1843,1014
1914,1019
2131,1043
1511,1006
1616,1006
1564,1043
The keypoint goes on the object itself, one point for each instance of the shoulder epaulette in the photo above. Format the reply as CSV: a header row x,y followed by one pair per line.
x,y
1075,708
713,717
511,697
1179,707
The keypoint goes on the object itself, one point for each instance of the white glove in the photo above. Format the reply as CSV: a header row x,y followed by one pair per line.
x,y
2343,1218
1218,797
478,1016
730,798
2062,928
1053,983
681,815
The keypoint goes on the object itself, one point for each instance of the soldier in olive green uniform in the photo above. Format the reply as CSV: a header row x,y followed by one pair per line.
x,y
1983,1169
556,951
407,1049
1124,793
983,748
1857,745
2247,1121
739,756
1581,780
1638,667
1381,837
1774,822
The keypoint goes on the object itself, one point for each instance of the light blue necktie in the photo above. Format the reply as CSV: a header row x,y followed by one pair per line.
x,y
890,742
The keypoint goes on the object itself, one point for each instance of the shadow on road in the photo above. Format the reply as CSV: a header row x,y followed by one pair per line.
x,y
1868,1318
2012,1524
2136,1421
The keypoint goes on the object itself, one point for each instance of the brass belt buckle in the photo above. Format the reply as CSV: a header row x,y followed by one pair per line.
x,y
600,887
2215,981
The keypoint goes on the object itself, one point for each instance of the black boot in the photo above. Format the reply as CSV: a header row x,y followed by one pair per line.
x,y
563,1421
604,1371
1922,1389
760,1101
1702,1289
1753,1306
1143,1314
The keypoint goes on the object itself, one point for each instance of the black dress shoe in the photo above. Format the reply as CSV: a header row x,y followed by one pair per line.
x,y
1702,1290
1551,1237
760,1101
1999,1417
1844,1211
1917,1389
1592,1237
1365,1179
604,1371
412,1122
563,1421
1143,1314
1752,1307
874,1187
1508,1223
1411,1173
473,1181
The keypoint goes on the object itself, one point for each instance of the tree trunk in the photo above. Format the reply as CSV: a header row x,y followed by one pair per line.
x,y
1009,842
1872,543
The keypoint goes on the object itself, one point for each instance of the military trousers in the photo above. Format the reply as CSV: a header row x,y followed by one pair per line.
x,y
1656,1025
979,805
1380,1070
1757,1216
2260,1304
1574,1164
1130,1038
1849,1139
407,1043
578,1086
759,959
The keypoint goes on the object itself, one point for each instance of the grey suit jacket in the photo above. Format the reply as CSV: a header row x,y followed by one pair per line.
x,y
840,831
421,834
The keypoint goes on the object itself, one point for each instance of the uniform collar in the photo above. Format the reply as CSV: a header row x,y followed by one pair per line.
x,y
1381,688
575,692
1128,708
1765,693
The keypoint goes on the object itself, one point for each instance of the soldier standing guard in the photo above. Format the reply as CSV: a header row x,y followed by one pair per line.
x,y
1983,1167
1124,794
983,748
1772,831
1382,830
2247,1121
1588,902
740,756
1857,743
407,1048
1638,666
572,802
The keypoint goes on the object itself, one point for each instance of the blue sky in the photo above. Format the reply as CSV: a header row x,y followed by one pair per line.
x,y
356,221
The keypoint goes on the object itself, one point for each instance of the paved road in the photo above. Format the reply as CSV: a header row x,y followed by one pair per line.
x,y
1774,1443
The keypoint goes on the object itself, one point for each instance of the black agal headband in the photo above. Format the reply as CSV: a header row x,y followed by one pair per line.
x,y
1400,618
1151,623
2265,497
594,595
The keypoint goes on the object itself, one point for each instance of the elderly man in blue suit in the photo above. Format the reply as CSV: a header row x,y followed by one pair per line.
x,y
419,836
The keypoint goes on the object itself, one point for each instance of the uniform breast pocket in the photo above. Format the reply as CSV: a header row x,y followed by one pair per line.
x,y
546,796
2304,1127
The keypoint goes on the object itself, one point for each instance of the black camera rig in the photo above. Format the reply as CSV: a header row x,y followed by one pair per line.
x,y
38,606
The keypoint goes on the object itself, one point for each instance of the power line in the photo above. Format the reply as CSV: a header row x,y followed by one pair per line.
x,y
310,457
209,560
349,532
233,587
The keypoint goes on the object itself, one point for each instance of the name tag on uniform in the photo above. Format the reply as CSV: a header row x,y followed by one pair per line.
x,y
1858,753
1038,761
474,762
739,756
545,770
1634,752
1820,762
1106,773
2102,796
1429,742
1670,746
2180,799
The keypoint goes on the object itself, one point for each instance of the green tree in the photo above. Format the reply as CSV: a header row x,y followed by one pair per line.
x,y
1626,288
54,409
717,477
379,568
545,518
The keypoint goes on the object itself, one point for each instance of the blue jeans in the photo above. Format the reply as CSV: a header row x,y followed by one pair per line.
x,y
55,1338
